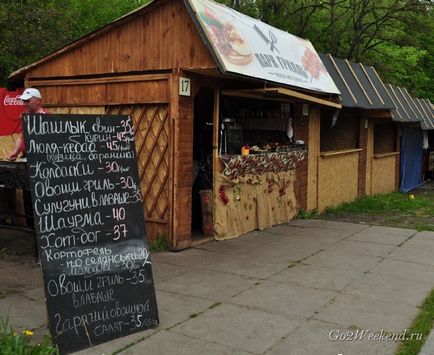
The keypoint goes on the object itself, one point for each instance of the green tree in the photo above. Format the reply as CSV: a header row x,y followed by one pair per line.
x,y
395,36
31,29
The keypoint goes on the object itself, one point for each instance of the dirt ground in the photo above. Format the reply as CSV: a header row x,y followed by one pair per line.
x,y
17,254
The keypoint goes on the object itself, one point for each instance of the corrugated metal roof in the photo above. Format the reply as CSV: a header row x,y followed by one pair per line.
x,y
409,109
426,107
402,111
360,86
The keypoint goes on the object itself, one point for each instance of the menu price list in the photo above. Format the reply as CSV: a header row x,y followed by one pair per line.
x,y
90,228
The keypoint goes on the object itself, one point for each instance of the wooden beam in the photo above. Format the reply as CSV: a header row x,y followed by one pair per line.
x,y
260,94
255,96
301,96
103,80
215,149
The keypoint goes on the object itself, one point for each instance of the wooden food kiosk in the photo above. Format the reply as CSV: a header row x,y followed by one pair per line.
x,y
201,82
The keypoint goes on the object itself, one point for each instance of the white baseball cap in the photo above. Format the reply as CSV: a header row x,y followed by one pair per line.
x,y
29,93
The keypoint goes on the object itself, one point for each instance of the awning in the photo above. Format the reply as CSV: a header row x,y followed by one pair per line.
x,y
360,85
281,94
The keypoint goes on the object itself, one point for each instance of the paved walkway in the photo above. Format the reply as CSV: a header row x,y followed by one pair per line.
x,y
285,290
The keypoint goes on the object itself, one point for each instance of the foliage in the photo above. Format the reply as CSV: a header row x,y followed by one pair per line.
x,y
159,244
31,29
12,343
394,36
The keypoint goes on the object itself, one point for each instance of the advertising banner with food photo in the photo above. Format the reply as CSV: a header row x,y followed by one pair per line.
x,y
250,47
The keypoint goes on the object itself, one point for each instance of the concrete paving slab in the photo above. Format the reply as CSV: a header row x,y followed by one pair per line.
x,y
282,298
208,284
420,241
13,279
189,259
164,342
23,313
313,337
174,308
238,327
404,269
287,254
332,258
383,235
360,248
241,296
413,254
284,229
349,227
307,223
428,347
317,237
116,344
163,272
368,313
319,277
244,242
247,265
321,223
37,294
390,288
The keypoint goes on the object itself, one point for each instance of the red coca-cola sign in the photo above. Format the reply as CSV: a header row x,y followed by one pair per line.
x,y
11,108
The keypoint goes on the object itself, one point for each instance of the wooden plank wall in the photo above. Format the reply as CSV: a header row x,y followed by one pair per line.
x,y
128,89
313,156
152,129
183,171
162,37
148,103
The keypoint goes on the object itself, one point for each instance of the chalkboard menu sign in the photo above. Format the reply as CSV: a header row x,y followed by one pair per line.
x,y
90,228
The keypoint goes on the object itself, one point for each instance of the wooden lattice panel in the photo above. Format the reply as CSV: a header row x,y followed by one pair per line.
x,y
151,125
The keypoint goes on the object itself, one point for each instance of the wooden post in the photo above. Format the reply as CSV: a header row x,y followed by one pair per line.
x,y
174,131
215,148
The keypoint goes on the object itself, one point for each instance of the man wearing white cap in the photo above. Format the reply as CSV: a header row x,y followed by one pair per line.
x,y
32,102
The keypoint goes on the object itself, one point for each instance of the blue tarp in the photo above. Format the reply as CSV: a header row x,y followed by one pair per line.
x,y
411,158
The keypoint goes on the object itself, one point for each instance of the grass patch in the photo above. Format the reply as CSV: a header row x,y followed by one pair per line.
x,y
302,214
393,202
159,244
12,343
421,325
394,209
